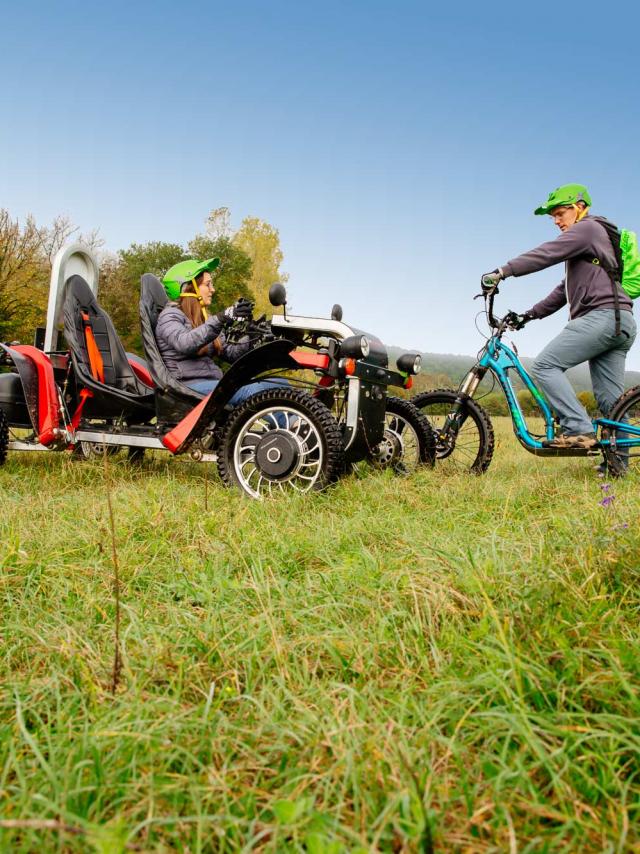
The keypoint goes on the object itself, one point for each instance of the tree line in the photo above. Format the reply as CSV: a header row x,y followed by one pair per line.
x,y
250,261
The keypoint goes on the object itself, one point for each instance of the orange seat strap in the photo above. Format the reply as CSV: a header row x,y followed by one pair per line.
x,y
95,359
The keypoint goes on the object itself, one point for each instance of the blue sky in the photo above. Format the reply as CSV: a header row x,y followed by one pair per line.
x,y
399,148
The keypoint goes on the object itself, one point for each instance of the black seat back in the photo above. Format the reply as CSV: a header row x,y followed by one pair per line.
x,y
174,398
105,370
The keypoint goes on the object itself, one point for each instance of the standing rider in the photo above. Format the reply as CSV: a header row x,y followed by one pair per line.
x,y
601,327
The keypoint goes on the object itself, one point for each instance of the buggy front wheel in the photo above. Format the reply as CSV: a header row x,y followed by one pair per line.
x,y
409,440
464,442
280,441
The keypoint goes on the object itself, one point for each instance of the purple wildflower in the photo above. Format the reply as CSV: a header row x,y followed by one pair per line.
x,y
607,500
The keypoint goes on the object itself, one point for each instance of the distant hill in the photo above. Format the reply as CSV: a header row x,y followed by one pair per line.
x,y
455,367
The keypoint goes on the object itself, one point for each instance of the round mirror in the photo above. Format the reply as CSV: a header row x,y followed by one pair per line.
x,y
336,312
277,294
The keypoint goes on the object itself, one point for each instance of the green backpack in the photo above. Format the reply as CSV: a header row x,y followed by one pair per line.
x,y
625,247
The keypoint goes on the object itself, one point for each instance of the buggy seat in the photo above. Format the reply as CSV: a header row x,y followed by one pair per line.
x,y
99,359
173,398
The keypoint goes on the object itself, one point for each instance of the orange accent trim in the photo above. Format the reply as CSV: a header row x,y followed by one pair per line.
x,y
84,395
48,407
310,360
408,383
141,372
95,359
175,439
349,367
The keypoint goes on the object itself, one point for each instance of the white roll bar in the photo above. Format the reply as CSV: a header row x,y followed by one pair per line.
x,y
75,259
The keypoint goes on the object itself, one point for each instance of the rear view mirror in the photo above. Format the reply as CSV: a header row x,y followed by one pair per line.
x,y
277,294
336,312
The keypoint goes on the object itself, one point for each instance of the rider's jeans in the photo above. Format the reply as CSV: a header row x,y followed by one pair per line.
x,y
589,338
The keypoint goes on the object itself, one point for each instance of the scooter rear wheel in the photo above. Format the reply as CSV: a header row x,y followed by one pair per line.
x,y
470,447
620,461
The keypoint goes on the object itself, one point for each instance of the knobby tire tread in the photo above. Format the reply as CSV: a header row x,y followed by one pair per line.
x,y
420,423
334,452
479,415
623,403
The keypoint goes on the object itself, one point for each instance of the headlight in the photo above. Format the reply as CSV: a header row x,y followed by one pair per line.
x,y
355,347
410,363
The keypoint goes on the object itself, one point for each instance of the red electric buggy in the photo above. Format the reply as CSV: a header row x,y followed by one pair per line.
x,y
91,394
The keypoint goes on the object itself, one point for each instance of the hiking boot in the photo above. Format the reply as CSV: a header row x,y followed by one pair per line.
x,y
585,441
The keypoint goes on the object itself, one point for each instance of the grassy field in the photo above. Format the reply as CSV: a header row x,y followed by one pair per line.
x,y
444,663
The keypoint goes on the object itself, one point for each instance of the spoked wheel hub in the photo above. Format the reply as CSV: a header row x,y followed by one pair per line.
x,y
390,450
278,454
408,440
280,441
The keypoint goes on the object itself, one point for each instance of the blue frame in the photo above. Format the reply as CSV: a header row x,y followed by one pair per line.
x,y
500,359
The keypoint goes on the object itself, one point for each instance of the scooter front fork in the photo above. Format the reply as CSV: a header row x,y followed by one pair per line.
x,y
456,418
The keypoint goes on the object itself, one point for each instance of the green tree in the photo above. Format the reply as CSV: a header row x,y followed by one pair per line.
x,y
261,242
588,400
232,277
119,291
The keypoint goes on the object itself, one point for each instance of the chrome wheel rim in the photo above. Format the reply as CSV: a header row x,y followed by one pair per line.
x,y
400,447
278,450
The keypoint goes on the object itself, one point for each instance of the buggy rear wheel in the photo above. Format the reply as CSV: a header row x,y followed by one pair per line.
x,y
621,460
4,437
409,440
280,441
462,445
94,450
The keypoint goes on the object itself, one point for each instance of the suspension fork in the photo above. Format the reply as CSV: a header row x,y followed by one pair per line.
x,y
456,418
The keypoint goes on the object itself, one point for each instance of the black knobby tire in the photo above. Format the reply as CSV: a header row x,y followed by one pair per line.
x,y
626,408
409,438
281,440
4,437
472,449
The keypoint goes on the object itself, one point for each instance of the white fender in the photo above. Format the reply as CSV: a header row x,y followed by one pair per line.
x,y
75,259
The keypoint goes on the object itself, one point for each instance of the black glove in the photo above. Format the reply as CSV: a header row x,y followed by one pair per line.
x,y
240,310
517,321
490,281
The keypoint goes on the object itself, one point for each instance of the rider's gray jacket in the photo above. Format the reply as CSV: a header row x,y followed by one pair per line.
x,y
586,286
179,343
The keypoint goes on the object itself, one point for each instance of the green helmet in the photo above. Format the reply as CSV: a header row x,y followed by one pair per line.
x,y
568,194
184,272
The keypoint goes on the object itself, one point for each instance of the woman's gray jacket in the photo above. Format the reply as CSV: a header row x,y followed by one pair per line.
x,y
179,343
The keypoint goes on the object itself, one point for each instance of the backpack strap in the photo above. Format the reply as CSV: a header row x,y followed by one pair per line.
x,y
95,358
614,273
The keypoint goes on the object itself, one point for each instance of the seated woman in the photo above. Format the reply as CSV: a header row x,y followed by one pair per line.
x,y
189,337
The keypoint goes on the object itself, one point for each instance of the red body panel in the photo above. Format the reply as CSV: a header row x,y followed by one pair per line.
x,y
141,372
48,409
310,360
176,438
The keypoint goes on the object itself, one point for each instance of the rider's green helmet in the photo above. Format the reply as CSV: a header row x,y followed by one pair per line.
x,y
568,194
184,272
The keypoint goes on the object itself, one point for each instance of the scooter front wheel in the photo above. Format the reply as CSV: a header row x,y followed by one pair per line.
x,y
464,438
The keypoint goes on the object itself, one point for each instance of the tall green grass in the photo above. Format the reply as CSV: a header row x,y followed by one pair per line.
x,y
432,664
